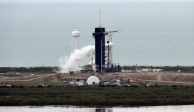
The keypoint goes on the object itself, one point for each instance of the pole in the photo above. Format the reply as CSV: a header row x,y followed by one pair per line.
x,y
92,63
99,19
55,80
35,80
101,54
146,65
108,56
20,80
115,67
75,43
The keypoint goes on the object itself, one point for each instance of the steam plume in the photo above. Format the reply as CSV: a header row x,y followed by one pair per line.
x,y
77,56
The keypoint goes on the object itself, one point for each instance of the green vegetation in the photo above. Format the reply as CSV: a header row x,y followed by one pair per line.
x,y
183,69
26,74
96,95
33,83
23,69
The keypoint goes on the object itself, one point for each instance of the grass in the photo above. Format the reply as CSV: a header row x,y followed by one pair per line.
x,y
96,95
184,69
33,83
135,84
27,74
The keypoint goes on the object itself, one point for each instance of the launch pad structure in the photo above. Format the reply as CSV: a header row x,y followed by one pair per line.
x,y
103,52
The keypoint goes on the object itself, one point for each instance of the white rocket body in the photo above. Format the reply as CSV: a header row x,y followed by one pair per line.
x,y
110,45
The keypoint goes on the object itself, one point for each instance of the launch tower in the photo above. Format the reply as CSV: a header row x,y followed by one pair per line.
x,y
103,52
99,36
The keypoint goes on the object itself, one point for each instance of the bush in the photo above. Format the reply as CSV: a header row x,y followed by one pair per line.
x,y
21,86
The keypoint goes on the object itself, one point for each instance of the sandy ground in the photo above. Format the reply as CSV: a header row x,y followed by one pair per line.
x,y
157,76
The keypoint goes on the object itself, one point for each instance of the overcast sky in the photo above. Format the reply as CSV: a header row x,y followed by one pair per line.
x,y
55,1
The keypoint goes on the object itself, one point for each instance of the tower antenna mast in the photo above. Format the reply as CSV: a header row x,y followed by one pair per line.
x,y
99,19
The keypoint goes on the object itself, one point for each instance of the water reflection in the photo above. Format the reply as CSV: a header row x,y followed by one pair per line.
x,y
65,108
104,110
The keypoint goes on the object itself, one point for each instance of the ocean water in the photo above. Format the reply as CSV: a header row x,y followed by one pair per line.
x,y
36,34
